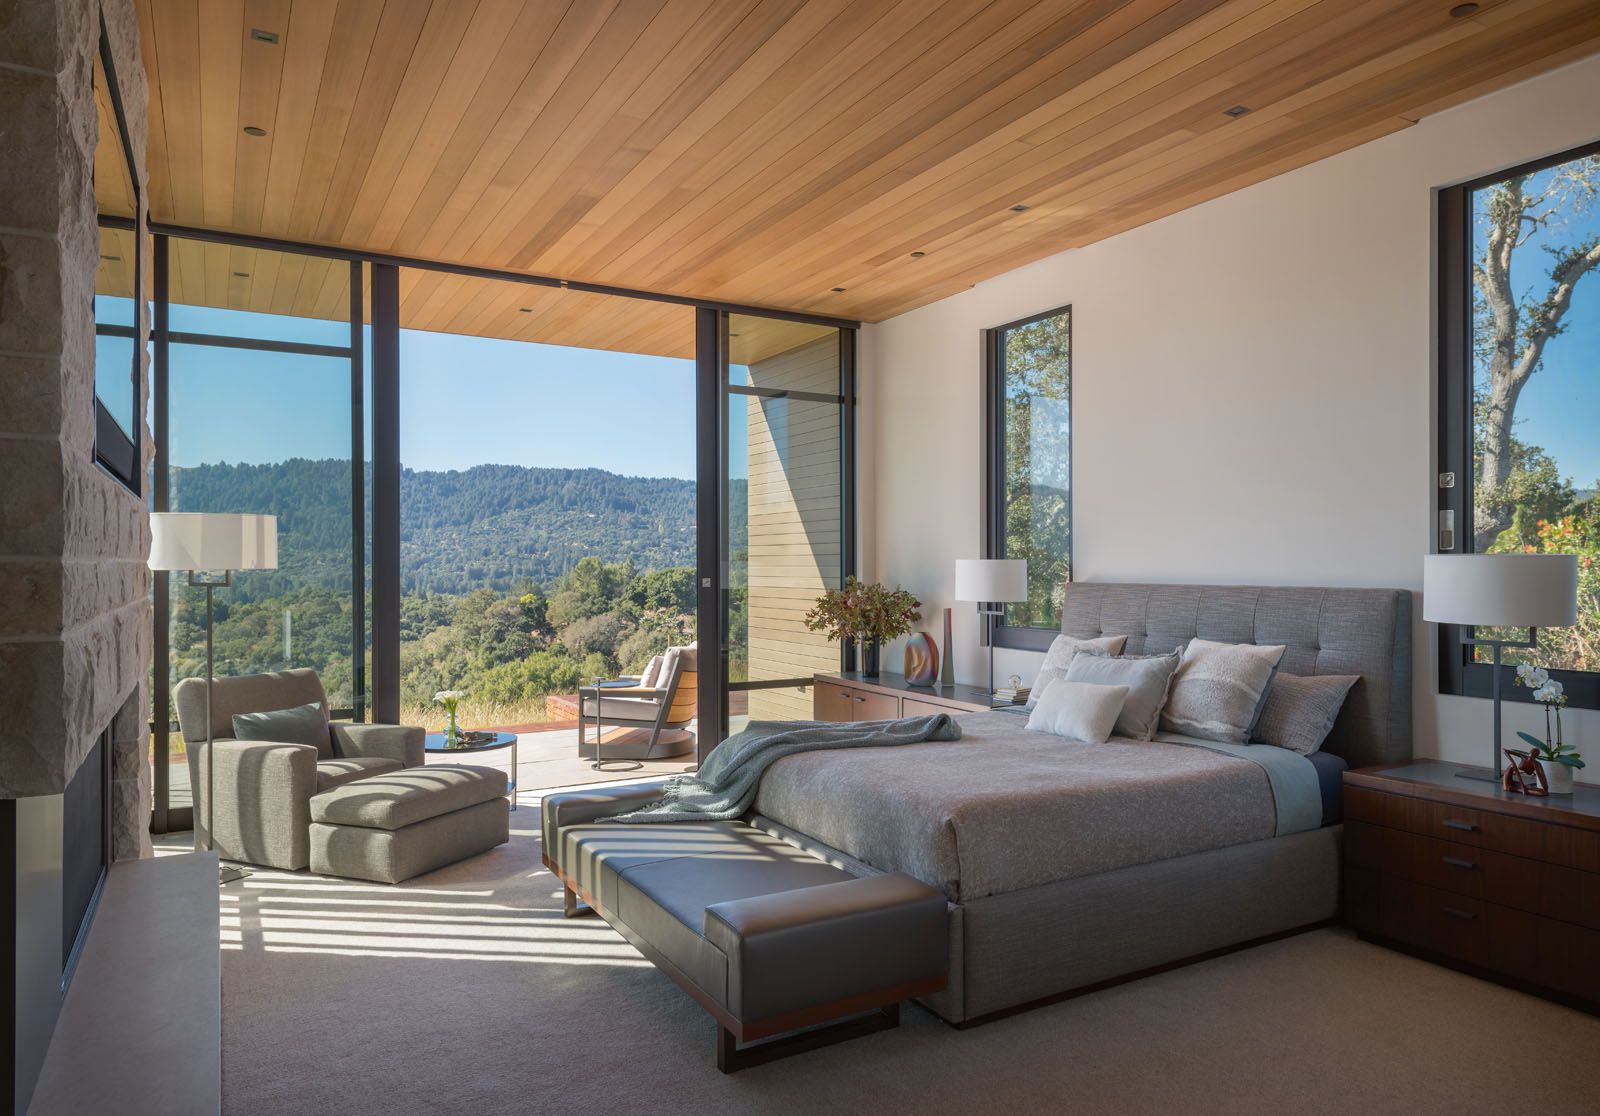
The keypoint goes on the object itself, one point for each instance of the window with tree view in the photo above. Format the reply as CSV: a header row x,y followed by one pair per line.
x,y
1533,246
1030,389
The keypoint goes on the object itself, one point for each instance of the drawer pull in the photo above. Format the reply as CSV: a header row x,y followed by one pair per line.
x,y
1458,862
1465,827
1457,912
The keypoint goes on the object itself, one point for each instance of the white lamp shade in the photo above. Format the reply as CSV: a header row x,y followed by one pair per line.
x,y
991,579
1500,590
213,541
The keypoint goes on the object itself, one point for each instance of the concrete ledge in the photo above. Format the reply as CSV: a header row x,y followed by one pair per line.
x,y
141,1028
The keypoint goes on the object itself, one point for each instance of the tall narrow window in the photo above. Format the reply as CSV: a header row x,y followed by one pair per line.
x,y
1520,356
1030,466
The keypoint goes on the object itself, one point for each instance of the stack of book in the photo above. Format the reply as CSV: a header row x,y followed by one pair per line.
x,y
1011,695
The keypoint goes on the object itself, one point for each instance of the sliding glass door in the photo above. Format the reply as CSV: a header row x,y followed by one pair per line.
x,y
786,532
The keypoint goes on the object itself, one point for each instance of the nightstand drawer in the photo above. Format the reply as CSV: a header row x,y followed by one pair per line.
x,y
1440,921
1445,865
1415,815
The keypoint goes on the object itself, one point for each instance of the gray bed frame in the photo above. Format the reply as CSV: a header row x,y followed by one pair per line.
x,y
1021,948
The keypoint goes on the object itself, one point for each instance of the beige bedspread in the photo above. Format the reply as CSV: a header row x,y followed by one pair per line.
x,y
1004,809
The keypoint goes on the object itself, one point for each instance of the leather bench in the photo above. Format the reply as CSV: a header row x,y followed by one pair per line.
x,y
766,937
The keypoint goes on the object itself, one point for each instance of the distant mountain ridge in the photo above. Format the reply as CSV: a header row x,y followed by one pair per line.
x,y
487,526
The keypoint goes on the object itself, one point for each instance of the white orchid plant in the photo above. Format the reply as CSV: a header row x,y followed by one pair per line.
x,y
1552,695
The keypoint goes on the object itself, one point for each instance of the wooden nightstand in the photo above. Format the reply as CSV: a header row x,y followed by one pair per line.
x,y
1458,871
850,697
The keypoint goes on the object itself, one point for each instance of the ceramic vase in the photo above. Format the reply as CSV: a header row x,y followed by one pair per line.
x,y
922,660
1558,776
947,666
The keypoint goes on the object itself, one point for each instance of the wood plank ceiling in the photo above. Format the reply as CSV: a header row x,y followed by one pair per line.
x,y
765,151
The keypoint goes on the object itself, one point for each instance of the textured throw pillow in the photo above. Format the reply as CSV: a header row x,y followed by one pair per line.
x,y
1080,711
1217,689
1147,678
1060,656
1301,709
300,724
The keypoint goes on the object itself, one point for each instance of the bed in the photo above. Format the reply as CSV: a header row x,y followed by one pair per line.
x,y
1067,865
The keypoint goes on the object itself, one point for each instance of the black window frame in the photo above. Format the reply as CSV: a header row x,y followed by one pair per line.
x,y
994,399
118,451
1459,674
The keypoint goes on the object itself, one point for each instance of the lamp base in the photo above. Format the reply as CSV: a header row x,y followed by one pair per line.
x,y
1481,774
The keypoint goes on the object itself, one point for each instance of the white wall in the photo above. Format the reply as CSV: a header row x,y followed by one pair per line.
x,y
1253,384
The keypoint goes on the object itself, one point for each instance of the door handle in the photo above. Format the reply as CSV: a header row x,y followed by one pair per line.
x,y
1465,827
1458,862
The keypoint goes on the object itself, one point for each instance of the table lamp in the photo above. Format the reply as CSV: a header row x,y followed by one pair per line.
x,y
1529,591
210,546
991,582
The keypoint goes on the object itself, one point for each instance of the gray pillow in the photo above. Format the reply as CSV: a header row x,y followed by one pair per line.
x,y
1147,678
1217,690
1300,710
1062,651
300,724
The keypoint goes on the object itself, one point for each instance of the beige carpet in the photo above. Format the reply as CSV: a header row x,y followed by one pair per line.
x,y
465,991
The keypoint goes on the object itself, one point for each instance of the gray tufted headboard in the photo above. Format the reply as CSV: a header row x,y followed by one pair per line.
x,y
1325,631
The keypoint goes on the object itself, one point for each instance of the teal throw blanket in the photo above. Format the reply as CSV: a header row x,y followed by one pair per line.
x,y
726,784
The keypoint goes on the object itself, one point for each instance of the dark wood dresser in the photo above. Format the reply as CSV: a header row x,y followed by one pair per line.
x,y
1460,872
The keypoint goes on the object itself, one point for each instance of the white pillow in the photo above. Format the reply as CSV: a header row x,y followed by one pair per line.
x,y
1080,711
652,671
1060,656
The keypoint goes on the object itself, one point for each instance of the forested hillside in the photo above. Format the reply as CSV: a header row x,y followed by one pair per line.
x,y
485,527
517,582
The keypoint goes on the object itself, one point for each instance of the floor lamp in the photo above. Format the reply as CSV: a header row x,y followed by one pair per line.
x,y
1529,591
209,546
992,583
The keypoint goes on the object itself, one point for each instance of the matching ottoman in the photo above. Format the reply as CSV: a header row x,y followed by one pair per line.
x,y
391,827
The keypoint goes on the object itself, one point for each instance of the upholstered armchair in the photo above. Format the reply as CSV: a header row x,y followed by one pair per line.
x,y
264,788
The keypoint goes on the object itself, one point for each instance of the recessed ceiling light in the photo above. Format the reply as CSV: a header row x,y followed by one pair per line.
x,y
838,290
241,275
1462,11
918,255
1019,209
261,36
1235,111
252,130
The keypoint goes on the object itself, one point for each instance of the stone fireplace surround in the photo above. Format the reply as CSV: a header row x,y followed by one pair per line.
x,y
75,615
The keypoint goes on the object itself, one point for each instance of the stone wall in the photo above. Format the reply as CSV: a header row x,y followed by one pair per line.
x,y
75,619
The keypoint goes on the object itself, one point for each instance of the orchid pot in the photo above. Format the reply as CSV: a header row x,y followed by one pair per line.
x,y
1559,761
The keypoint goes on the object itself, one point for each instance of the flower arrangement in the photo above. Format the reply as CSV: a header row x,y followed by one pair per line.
x,y
867,611
450,699
1552,695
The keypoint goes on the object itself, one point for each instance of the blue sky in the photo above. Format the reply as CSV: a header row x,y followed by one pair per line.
x,y
1560,407
464,401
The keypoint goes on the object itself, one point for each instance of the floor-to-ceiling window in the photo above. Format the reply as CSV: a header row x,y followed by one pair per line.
x,y
786,531
262,413
544,516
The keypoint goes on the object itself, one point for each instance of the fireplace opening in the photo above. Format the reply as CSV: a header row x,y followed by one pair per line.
x,y
85,849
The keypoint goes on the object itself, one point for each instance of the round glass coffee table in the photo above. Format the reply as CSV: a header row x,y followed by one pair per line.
x,y
479,742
